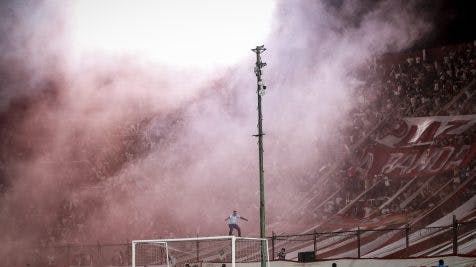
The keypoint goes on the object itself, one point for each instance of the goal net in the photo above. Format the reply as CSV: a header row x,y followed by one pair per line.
x,y
199,252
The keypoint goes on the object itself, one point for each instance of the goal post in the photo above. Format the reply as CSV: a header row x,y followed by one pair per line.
x,y
200,252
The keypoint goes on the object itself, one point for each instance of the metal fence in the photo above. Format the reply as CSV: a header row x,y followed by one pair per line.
x,y
459,238
75,255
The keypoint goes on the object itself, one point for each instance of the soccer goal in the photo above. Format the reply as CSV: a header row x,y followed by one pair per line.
x,y
200,252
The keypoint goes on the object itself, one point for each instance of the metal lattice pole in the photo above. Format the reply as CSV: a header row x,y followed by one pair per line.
x,y
260,92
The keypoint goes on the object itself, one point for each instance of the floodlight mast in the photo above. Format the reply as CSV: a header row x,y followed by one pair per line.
x,y
260,91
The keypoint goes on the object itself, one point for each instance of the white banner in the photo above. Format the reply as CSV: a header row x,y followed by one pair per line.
x,y
425,130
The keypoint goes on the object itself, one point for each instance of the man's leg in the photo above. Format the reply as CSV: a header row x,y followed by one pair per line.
x,y
236,227
239,230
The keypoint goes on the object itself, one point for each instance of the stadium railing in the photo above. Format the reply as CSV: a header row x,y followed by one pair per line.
x,y
406,241
400,242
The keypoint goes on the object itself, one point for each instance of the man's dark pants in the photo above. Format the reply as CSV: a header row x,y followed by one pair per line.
x,y
235,226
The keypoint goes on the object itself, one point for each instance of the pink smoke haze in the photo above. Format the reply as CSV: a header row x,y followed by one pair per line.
x,y
114,147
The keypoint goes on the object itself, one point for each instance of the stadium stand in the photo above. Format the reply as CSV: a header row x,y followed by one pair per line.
x,y
432,86
402,209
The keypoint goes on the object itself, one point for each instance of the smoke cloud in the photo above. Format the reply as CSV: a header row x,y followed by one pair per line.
x,y
110,148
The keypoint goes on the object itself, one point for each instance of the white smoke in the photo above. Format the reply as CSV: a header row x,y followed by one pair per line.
x,y
74,127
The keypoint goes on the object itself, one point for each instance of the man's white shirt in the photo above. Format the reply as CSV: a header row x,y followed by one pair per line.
x,y
233,219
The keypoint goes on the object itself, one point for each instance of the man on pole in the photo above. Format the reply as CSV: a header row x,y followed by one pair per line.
x,y
233,222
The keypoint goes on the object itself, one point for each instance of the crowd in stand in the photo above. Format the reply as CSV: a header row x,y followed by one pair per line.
x,y
92,169
428,83
419,85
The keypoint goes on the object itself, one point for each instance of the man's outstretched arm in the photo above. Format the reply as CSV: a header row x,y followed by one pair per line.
x,y
243,218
